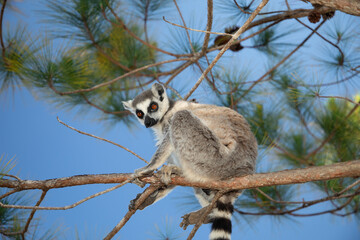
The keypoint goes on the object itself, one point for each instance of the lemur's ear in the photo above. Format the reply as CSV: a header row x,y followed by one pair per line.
x,y
159,91
128,105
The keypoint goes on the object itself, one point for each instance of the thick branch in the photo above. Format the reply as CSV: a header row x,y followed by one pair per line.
x,y
318,173
347,6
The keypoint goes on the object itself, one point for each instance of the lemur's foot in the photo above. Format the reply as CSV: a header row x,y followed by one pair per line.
x,y
148,201
167,171
193,218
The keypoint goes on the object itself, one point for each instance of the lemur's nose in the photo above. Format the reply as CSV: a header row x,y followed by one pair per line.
x,y
149,122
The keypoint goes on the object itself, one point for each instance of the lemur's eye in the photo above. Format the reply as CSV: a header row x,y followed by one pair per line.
x,y
153,107
139,113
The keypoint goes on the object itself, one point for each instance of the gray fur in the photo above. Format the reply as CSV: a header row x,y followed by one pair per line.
x,y
141,97
207,142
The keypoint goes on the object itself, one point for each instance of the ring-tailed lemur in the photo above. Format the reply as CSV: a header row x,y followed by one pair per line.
x,y
206,142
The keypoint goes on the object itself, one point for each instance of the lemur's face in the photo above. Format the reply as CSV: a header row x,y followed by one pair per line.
x,y
149,106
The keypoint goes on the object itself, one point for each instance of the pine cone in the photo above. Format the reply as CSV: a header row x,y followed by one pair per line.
x,y
314,17
236,47
328,15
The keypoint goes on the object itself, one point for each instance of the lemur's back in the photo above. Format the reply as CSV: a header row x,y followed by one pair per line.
x,y
234,134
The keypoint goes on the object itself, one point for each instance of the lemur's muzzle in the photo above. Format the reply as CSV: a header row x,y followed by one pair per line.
x,y
149,122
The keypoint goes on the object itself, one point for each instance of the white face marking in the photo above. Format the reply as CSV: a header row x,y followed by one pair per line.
x,y
157,115
143,107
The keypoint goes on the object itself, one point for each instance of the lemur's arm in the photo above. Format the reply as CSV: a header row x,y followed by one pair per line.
x,y
159,158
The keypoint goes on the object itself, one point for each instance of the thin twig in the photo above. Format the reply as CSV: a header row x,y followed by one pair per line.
x,y
68,206
101,51
304,205
123,76
218,195
9,175
178,71
122,25
222,51
31,216
103,139
128,215
9,193
331,83
339,97
327,211
322,37
243,11
208,25
277,201
348,187
331,135
183,21
125,112
283,60
196,30
247,37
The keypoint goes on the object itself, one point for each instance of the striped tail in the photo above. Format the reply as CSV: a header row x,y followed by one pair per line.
x,y
221,221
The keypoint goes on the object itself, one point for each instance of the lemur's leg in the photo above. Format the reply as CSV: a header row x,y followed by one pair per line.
x,y
204,196
222,209
197,148
160,193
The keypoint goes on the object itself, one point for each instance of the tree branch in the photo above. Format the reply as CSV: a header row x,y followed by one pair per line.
x,y
293,176
103,139
347,6
229,43
131,212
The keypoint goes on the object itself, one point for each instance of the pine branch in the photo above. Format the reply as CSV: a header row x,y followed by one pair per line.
x,y
347,6
294,176
227,46
306,204
283,60
121,77
122,25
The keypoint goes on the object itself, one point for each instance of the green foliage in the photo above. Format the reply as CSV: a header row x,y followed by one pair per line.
x,y
179,40
254,200
13,220
167,230
272,41
150,10
344,130
19,51
78,19
264,124
126,50
231,12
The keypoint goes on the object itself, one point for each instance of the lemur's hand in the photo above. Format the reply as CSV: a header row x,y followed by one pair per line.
x,y
140,173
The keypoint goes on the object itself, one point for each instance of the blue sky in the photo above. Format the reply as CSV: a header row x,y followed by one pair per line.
x,y
46,149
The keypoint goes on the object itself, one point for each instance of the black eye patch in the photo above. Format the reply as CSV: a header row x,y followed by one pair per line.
x,y
153,107
139,114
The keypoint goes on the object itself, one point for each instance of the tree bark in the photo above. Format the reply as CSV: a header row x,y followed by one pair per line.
x,y
351,7
294,176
